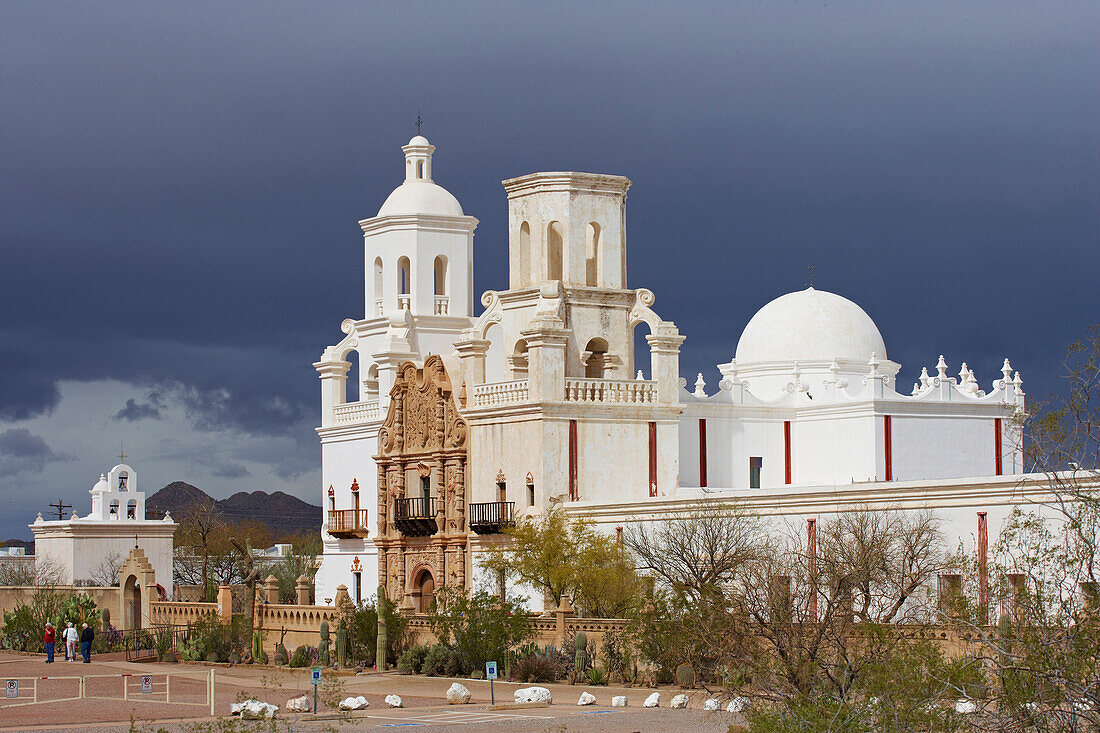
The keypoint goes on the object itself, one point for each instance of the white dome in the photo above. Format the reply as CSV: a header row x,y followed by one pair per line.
x,y
101,485
421,197
809,325
419,140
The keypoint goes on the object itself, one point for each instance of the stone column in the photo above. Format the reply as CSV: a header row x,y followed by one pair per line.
x,y
301,589
225,603
334,375
664,349
271,590
472,350
546,341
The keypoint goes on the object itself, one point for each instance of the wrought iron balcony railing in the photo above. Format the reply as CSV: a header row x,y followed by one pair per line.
x,y
415,516
347,523
490,517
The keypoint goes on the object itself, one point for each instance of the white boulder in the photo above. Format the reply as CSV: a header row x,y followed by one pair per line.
x,y
533,694
711,704
394,701
587,698
300,704
354,703
619,701
679,702
652,701
458,694
966,707
256,710
737,705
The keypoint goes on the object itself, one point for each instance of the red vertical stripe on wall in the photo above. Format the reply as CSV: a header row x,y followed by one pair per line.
x,y
888,443
702,451
653,459
983,567
786,451
573,494
997,443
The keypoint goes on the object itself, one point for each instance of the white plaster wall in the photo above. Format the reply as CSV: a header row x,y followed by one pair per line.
x,y
80,552
421,244
938,447
344,459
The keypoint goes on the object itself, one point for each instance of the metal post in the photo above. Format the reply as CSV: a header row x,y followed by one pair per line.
x,y
168,688
492,694
125,688
210,686
315,699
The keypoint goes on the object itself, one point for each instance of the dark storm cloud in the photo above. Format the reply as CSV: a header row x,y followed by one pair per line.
x,y
133,411
21,451
180,183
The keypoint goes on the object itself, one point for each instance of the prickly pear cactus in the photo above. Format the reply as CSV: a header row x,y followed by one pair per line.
x,y
342,644
281,657
322,648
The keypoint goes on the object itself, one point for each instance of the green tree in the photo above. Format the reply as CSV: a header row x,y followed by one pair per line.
x,y
480,627
557,555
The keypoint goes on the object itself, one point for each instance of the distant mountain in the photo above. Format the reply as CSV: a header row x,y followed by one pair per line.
x,y
286,515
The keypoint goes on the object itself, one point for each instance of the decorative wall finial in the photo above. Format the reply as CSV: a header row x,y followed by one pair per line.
x,y
700,385
925,380
1006,371
941,368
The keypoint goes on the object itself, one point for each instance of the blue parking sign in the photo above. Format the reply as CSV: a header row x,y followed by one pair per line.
x,y
490,670
315,676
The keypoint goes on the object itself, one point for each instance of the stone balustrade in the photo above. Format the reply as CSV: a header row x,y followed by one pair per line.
x,y
611,391
501,393
354,413
180,613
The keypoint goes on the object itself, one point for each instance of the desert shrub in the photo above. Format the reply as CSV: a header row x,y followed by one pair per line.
x,y
536,667
441,661
597,676
411,660
211,640
24,625
480,627
303,656
363,632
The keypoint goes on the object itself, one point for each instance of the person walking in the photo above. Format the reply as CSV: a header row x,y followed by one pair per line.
x,y
70,638
48,637
87,636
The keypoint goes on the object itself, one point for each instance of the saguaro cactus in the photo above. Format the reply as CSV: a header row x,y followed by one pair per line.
x,y
342,644
322,648
105,614
383,636
580,657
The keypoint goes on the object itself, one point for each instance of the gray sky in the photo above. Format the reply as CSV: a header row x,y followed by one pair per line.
x,y
180,186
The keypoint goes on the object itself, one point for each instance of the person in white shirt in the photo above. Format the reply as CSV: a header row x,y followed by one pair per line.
x,y
71,639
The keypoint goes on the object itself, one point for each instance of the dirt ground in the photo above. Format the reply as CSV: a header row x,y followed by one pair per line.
x,y
423,699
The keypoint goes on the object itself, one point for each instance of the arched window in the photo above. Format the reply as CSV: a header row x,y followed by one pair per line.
x,y
122,477
518,360
591,254
597,358
370,385
114,508
440,275
378,286
351,383
554,251
524,255
404,284
419,169
131,509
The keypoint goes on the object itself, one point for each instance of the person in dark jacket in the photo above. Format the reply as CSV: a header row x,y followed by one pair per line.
x,y
50,638
86,638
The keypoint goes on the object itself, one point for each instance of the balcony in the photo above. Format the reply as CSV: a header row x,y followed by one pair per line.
x,y
491,517
611,391
347,523
442,305
501,393
415,517
354,413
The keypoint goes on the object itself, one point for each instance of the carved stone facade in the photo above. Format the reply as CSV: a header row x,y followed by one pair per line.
x,y
421,463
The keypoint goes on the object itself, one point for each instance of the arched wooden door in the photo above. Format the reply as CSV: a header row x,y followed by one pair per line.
x,y
425,587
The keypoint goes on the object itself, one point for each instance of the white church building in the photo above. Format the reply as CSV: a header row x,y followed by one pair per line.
x,y
82,546
439,425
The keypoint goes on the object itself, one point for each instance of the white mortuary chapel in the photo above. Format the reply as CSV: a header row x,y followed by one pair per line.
x,y
439,425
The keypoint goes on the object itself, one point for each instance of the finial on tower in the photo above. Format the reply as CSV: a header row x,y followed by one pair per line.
x,y
810,269
419,122
121,453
